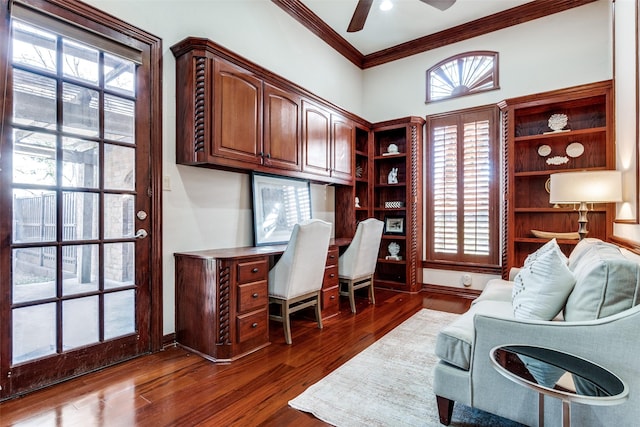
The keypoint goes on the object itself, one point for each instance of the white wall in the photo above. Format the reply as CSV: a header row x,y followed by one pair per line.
x,y
212,209
561,50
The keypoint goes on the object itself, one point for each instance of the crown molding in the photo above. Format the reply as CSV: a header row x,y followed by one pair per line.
x,y
497,21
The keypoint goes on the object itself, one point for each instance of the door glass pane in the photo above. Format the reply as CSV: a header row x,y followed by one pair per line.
x,y
34,332
34,216
80,269
119,314
119,118
34,101
79,322
34,273
33,47
80,214
119,265
79,61
118,216
80,110
80,167
119,163
34,158
119,74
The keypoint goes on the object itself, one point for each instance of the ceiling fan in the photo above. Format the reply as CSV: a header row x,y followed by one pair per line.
x,y
363,7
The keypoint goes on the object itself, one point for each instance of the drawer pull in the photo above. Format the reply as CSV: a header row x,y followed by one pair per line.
x,y
255,270
255,295
332,275
332,297
254,325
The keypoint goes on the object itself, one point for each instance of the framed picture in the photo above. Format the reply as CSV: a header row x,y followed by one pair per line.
x,y
279,203
394,225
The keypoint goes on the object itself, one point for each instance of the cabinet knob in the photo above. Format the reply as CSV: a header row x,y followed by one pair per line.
x,y
255,295
255,270
332,297
268,155
332,275
254,325
332,256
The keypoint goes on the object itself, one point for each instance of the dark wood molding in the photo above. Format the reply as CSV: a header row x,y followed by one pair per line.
x,y
628,244
306,17
498,21
449,290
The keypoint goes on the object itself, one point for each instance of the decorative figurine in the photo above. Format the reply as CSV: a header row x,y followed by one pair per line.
x,y
394,250
393,176
357,202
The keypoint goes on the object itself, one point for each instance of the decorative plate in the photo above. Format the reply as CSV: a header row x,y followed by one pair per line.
x,y
544,150
557,160
557,122
575,149
547,185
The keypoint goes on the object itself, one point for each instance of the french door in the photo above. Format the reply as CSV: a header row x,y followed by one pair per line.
x,y
76,290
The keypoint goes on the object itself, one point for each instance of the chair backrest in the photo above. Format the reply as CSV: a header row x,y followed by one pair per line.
x,y
360,257
300,269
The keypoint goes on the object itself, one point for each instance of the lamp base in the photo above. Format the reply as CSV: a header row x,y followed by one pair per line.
x,y
582,220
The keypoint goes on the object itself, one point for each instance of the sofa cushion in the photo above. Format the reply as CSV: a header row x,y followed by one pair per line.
x,y
580,249
541,288
455,341
606,283
496,290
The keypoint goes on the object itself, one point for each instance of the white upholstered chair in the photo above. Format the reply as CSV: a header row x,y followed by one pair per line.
x,y
295,280
358,263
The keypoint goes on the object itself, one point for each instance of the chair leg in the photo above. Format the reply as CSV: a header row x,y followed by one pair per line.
x,y
318,312
286,322
352,297
445,409
371,292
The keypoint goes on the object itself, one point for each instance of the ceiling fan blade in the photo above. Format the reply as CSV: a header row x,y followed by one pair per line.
x,y
439,4
359,16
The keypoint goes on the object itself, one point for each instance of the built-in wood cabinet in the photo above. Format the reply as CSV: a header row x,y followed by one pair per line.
x,y
397,199
234,114
533,152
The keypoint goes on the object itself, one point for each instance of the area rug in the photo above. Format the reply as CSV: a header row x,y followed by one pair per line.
x,y
390,383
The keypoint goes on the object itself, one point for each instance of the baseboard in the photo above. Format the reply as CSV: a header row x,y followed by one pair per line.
x,y
448,290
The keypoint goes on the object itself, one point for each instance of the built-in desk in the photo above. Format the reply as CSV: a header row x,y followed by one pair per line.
x,y
222,302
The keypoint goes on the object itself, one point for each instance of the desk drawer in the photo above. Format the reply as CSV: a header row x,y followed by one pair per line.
x,y
252,270
252,296
252,325
330,277
332,256
330,301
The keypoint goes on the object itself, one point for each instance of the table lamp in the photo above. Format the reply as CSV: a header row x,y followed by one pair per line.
x,y
585,187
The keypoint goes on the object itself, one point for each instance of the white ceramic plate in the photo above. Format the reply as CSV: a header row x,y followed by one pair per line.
x,y
544,150
575,149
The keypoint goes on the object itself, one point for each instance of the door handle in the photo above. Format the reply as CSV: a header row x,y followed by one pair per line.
x,y
141,234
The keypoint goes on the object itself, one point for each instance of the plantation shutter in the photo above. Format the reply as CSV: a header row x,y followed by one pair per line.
x,y
463,191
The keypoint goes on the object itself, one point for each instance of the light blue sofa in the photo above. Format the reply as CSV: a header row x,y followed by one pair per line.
x,y
600,321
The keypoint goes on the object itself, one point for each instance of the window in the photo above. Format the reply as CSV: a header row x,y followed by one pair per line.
x,y
462,183
463,74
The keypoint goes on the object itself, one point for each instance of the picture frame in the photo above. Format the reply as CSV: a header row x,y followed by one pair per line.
x,y
394,225
279,203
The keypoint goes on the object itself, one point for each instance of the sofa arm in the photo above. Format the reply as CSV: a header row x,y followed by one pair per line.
x,y
610,342
513,273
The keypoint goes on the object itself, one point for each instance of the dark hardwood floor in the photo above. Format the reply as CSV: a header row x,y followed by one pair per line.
x,y
175,387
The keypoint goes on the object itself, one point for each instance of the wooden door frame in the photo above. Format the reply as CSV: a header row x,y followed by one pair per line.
x,y
110,27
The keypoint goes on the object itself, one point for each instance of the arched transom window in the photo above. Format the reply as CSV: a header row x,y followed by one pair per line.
x,y
463,74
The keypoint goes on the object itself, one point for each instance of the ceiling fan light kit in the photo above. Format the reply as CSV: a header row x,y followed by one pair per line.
x,y
364,6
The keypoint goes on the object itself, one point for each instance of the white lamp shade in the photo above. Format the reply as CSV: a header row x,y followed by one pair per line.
x,y
587,186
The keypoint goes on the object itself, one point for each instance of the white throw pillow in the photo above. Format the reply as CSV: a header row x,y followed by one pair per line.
x,y
551,245
542,287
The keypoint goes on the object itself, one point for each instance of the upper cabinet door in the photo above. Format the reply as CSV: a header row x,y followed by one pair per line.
x,y
237,114
281,129
316,138
343,135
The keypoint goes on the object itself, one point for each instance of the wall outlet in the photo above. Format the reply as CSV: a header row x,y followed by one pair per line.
x,y
466,279
166,183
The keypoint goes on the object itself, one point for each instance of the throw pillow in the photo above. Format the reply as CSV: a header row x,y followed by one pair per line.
x,y
551,245
542,287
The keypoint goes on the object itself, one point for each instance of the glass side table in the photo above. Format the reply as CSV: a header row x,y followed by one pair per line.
x,y
580,380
